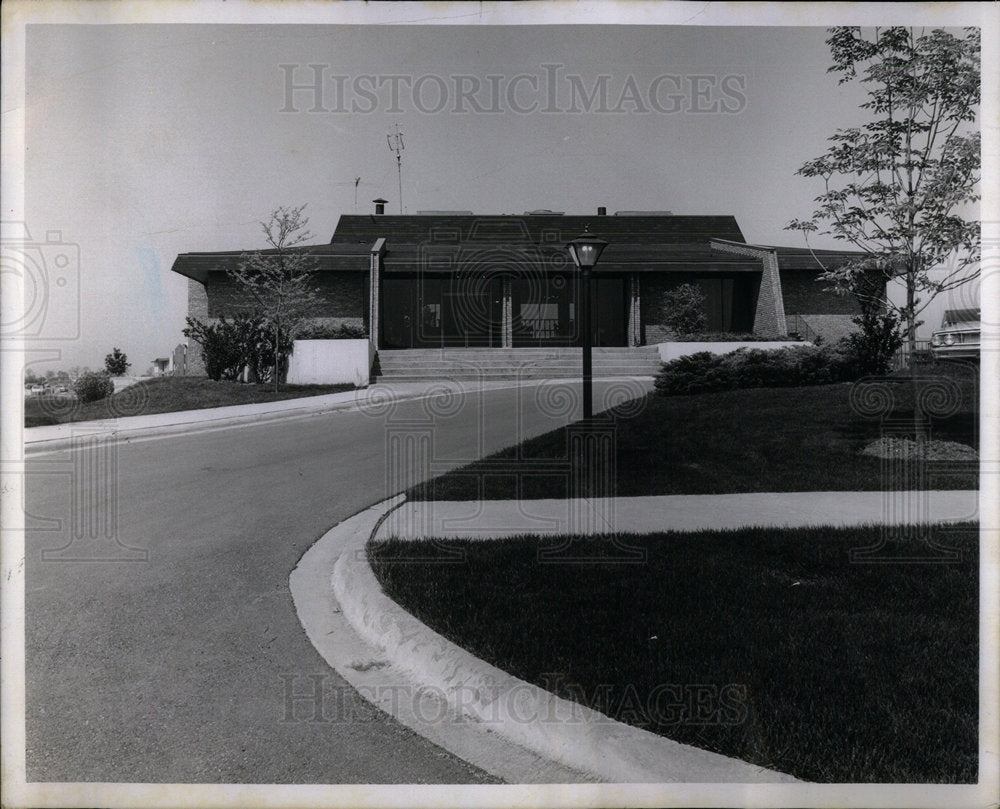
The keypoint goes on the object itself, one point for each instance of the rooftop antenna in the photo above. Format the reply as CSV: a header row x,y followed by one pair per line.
x,y
356,181
395,142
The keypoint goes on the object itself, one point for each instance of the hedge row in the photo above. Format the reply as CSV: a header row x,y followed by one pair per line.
x,y
793,366
729,337
344,331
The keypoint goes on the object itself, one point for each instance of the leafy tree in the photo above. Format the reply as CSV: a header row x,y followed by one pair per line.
x,y
684,310
116,363
898,186
279,282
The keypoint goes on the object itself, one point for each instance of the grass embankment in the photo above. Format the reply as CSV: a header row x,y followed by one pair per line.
x,y
167,394
766,645
756,440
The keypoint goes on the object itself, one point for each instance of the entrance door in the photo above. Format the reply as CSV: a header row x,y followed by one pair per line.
x,y
440,312
471,313
396,319
607,304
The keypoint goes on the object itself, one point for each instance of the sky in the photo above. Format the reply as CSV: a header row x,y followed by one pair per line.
x,y
144,141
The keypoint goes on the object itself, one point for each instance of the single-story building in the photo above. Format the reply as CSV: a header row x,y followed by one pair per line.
x,y
441,279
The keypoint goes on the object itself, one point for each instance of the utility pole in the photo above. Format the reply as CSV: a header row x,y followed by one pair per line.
x,y
395,142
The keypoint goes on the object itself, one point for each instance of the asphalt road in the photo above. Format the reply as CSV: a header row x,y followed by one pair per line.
x,y
162,643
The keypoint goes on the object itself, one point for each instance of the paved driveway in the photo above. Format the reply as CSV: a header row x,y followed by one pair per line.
x,y
187,663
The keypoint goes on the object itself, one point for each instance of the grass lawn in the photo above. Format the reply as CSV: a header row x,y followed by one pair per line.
x,y
766,645
755,440
166,394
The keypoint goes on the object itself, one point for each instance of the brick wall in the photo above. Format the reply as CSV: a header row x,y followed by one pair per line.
x,y
197,309
805,295
342,300
342,296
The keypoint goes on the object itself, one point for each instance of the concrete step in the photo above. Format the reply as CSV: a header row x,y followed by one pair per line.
x,y
470,376
491,364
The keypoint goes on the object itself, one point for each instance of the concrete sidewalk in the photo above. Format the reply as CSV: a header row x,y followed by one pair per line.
x,y
493,519
376,397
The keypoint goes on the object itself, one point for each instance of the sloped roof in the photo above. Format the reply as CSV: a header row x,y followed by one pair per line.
x,y
525,257
805,258
535,228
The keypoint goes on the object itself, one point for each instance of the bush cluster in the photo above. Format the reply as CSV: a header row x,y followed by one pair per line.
x,y
794,366
344,331
729,337
90,387
245,342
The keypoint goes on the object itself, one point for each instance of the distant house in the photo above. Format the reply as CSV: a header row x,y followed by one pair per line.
x,y
441,280
161,366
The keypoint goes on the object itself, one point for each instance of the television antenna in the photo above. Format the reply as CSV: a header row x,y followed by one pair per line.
x,y
395,142
356,181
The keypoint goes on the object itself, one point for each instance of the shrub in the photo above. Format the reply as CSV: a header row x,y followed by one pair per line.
x,y
756,368
878,340
245,342
221,350
91,387
695,373
343,331
684,310
729,337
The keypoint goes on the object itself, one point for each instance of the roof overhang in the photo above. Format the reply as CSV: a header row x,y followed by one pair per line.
x,y
328,258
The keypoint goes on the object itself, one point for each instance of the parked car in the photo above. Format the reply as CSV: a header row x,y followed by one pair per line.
x,y
958,336
36,390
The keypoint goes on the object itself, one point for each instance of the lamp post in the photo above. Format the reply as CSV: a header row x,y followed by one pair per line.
x,y
585,250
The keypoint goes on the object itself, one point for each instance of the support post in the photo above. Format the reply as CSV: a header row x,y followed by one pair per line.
x,y
634,324
506,314
375,266
588,370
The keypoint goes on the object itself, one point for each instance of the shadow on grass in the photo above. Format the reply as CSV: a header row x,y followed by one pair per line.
x,y
766,645
754,440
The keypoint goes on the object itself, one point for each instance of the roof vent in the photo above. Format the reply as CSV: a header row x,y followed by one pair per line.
x,y
602,211
380,206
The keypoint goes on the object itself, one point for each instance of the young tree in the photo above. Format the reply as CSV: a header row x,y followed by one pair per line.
x,y
899,186
279,282
684,309
116,362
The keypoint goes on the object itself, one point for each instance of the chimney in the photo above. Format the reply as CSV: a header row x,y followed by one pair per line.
x,y
602,211
380,206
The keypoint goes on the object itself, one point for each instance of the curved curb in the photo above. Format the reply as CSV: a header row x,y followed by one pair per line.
x,y
389,688
558,730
